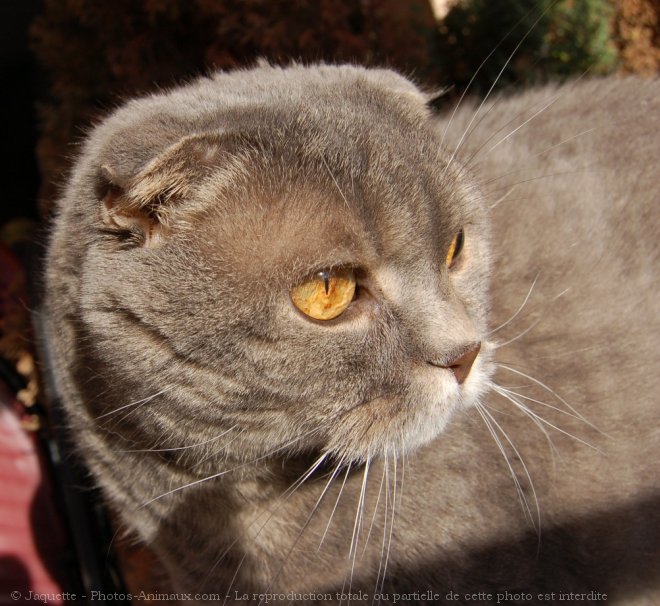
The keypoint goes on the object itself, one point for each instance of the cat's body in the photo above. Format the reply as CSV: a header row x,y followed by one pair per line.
x,y
199,394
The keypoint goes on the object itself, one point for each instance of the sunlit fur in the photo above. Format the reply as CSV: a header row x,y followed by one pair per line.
x,y
258,450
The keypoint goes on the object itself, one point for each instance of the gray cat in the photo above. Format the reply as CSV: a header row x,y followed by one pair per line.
x,y
319,345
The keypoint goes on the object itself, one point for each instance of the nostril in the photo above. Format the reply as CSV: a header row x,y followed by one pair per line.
x,y
462,363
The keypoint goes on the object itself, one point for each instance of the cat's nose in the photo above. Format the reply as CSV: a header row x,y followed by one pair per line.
x,y
462,363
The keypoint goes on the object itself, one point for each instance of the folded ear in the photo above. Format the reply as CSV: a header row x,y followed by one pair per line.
x,y
141,208
437,99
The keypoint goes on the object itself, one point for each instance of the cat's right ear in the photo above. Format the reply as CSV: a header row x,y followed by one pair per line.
x,y
140,206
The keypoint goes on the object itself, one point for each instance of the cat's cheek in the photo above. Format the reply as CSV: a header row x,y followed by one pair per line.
x,y
398,423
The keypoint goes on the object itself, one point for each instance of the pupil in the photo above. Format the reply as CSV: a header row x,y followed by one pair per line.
x,y
326,281
459,243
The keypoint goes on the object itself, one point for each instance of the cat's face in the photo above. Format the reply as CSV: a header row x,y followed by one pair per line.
x,y
305,278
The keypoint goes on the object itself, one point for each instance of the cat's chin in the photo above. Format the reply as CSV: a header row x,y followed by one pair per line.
x,y
394,424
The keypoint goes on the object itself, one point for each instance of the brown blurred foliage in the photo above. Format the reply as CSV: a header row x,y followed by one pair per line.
x,y
636,32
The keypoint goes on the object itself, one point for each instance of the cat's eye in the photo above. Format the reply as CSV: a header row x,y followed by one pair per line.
x,y
455,247
327,294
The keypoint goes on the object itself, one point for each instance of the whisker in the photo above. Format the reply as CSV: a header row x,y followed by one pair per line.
x,y
499,389
476,73
553,100
233,578
309,517
373,517
526,167
502,198
210,455
515,130
554,393
280,503
563,142
569,352
536,422
319,500
226,471
357,526
529,411
524,466
386,473
515,315
141,402
469,162
332,513
341,193
518,336
490,90
546,176
488,419
209,441
392,517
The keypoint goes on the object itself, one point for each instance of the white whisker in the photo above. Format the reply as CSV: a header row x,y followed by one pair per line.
x,y
271,512
140,402
564,141
386,472
392,517
373,517
490,90
515,130
476,73
553,392
515,315
542,429
500,389
209,441
309,517
223,447
502,198
576,171
519,335
563,93
530,412
359,515
233,578
332,513
469,161
341,193
488,419
226,471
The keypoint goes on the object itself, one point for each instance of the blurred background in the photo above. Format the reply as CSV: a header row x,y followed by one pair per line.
x,y
66,63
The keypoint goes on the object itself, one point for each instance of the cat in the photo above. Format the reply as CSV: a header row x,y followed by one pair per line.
x,y
319,344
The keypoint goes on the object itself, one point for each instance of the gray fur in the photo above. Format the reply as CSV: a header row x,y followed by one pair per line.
x,y
182,362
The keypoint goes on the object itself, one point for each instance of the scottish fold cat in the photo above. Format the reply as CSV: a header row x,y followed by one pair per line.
x,y
319,344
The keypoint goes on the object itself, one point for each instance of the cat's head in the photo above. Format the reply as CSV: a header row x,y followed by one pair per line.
x,y
287,254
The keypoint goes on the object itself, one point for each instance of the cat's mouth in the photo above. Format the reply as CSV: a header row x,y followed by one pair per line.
x,y
399,420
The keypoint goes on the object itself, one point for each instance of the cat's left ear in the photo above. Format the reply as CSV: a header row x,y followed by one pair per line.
x,y
437,100
143,207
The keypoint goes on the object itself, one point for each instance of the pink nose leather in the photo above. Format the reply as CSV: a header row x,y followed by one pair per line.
x,y
462,365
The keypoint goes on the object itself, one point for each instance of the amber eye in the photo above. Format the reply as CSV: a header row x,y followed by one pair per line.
x,y
455,247
326,294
